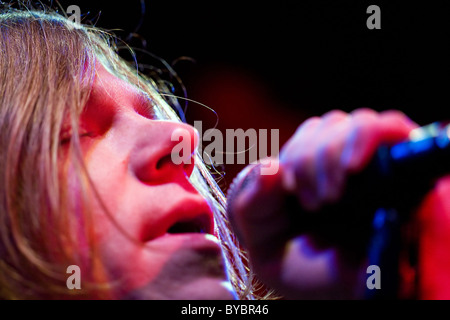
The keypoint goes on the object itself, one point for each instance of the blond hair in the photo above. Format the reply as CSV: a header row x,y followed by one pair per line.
x,y
47,66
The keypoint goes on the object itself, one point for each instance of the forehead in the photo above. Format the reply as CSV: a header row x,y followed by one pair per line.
x,y
110,90
108,86
109,95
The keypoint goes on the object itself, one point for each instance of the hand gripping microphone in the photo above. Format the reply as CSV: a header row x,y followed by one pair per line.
x,y
397,175
391,185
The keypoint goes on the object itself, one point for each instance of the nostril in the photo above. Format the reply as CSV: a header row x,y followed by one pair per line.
x,y
186,165
163,161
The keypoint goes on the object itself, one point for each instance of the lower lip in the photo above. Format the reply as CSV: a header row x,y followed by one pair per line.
x,y
193,241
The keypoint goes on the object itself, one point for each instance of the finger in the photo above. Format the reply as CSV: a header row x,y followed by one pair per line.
x,y
331,118
324,179
395,126
360,142
256,214
305,171
330,174
298,160
299,141
370,130
315,182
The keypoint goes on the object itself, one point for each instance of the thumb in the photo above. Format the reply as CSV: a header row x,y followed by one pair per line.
x,y
255,210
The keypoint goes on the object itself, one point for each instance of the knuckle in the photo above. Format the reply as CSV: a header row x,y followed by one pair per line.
x,y
308,123
362,126
364,112
334,114
393,113
396,117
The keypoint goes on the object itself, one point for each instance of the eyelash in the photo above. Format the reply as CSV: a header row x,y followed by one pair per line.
x,y
66,137
146,111
145,106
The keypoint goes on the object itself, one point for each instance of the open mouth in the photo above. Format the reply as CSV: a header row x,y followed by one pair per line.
x,y
199,224
192,217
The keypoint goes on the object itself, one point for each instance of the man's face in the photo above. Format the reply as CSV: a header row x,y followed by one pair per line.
x,y
128,157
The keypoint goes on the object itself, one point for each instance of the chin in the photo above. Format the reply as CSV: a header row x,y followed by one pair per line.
x,y
192,268
200,289
206,289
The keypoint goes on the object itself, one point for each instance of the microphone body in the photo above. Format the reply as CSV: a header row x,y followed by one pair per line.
x,y
403,174
400,174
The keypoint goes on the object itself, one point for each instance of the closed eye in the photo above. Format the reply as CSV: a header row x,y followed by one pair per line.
x,y
66,136
144,106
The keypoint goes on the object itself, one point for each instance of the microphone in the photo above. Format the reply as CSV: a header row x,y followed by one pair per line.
x,y
408,169
401,175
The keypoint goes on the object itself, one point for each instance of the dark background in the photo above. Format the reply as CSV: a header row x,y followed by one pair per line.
x,y
271,65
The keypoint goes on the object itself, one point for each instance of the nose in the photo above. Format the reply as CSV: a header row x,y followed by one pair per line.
x,y
165,153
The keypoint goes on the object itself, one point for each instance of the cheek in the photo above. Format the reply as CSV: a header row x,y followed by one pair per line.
x,y
113,210
106,198
89,222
